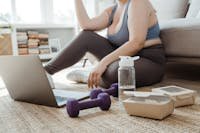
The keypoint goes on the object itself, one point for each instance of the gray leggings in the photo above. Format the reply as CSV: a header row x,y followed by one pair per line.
x,y
149,68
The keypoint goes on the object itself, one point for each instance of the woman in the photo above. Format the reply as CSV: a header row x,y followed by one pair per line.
x,y
133,29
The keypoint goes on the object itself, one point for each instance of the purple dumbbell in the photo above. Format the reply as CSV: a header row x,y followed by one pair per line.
x,y
113,90
74,106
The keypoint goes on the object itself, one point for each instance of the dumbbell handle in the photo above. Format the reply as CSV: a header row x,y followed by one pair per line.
x,y
90,104
112,91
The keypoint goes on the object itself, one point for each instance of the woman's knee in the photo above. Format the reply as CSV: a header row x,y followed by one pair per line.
x,y
84,36
87,34
90,40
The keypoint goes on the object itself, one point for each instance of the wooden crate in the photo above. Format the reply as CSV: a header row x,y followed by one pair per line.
x,y
6,45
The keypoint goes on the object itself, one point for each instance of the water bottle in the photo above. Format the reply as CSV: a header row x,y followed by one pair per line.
x,y
126,75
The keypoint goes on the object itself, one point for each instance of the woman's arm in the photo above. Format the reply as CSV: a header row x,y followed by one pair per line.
x,y
97,23
138,21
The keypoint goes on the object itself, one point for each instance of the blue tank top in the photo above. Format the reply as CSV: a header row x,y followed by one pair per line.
x,y
122,36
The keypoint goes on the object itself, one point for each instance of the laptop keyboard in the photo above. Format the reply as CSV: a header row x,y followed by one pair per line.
x,y
60,99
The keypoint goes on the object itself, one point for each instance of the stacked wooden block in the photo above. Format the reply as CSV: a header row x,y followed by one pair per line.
x,y
33,42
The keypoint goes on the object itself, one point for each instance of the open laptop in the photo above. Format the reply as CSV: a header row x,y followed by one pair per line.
x,y
26,80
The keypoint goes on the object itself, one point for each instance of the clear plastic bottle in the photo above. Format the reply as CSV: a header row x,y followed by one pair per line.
x,y
126,75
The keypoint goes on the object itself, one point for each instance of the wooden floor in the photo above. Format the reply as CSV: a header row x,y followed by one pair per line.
x,y
18,117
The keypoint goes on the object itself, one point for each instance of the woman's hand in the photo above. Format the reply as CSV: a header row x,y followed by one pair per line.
x,y
95,75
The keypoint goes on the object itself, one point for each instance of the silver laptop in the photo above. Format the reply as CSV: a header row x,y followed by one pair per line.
x,y
26,80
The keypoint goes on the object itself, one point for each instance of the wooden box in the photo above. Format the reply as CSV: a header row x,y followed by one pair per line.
x,y
5,44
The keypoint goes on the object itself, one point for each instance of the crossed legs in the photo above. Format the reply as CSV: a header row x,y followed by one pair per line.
x,y
148,71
